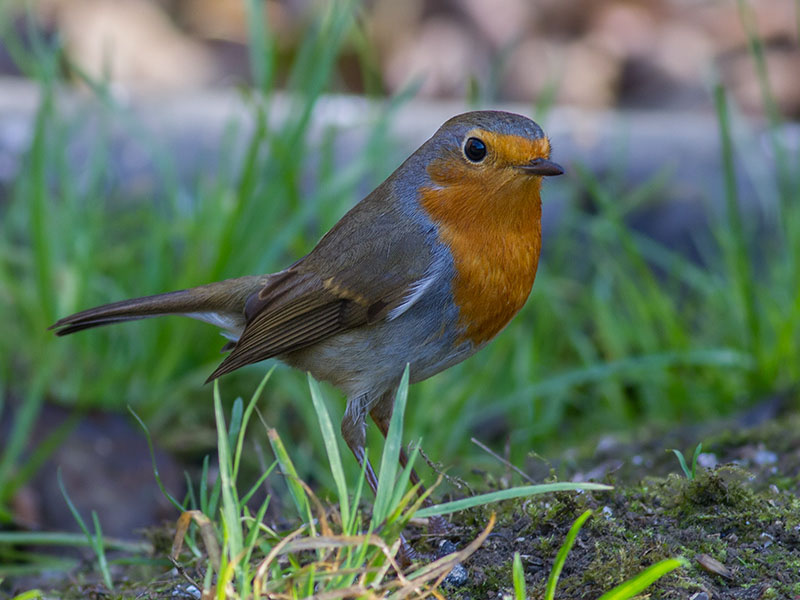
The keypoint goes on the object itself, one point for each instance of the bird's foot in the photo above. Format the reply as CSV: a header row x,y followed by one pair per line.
x,y
406,555
438,525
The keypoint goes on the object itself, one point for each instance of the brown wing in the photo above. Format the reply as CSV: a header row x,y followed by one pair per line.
x,y
347,281
290,314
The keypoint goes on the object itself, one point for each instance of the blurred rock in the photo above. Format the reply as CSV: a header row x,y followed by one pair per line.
x,y
624,29
684,52
105,465
723,22
441,54
783,68
224,19
601,54
229,20
591,75
393,23
131,43
581,74
499,21
533,67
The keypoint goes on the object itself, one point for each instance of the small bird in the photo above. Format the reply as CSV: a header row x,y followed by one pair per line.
x,y
424,271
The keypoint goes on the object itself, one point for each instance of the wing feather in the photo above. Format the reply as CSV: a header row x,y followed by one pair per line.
x,y
349,280
269,335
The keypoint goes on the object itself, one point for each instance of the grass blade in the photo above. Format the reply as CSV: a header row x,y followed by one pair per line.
x,y
519,578
261,47
230,504
292,479
516,492
95,541
738,252
637,584
682,461
695,456
561,557
391,453
55,538
332,448
246,419
178,505
29,595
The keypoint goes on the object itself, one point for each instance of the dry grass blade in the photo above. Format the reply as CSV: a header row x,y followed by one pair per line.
x,y
440,568
291,544
261,571
334,541
322,515
206,532
354,591
437,468
342,541
508,464
384,569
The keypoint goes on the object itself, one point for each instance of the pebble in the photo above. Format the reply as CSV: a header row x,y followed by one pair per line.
x,y
712,565
458,576
186,592
765,457
707,460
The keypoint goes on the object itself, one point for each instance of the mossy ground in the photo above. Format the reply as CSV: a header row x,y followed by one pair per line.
x,y
743,513
754,534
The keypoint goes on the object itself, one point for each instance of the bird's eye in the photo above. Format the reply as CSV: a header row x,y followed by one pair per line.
x,y
475,149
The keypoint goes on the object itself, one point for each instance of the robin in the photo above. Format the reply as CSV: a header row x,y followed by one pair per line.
x,y
424,271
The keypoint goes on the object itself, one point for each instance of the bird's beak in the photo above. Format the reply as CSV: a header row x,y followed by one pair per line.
x,y
542,167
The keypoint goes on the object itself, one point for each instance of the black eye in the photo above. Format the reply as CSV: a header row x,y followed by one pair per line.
x,y
475,149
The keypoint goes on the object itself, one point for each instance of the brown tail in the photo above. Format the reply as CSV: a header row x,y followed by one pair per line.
x,y
220,303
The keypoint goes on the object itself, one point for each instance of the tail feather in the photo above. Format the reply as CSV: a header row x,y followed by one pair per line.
x,y
67,329
220,303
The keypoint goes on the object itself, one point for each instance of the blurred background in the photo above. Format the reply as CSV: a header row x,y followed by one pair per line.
x,y
148,146
598,55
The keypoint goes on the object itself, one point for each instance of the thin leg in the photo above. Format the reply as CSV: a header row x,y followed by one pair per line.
x,y
355,435
381,413
354,432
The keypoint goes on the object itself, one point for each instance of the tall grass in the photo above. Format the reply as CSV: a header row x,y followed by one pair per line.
x,y
620,330
69,238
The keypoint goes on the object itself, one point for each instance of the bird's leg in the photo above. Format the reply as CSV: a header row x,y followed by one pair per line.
x,y
354,432
381,413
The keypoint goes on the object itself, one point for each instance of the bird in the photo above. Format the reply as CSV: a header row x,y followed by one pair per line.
x,y
424,271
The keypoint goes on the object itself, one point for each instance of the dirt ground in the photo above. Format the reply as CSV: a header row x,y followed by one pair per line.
x,y
737,522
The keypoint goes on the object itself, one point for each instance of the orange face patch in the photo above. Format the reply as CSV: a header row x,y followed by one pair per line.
x,y
514,149
489,215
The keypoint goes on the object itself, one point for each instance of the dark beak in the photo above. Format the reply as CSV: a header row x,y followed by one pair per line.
x,y
542,167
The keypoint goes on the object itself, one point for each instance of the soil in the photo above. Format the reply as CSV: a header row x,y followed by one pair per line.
x,y
737,523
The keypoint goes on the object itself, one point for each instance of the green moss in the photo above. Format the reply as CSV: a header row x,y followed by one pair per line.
x,y
728,513
724,513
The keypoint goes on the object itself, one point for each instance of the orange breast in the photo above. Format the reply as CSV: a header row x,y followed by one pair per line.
x,y
492,225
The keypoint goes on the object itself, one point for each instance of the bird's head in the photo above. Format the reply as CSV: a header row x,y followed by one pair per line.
x,y
489,148
486,162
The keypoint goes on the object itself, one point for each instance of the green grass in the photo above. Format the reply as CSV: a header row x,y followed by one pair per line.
x,y
228,542
619,331
343,552
690,472
68,239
